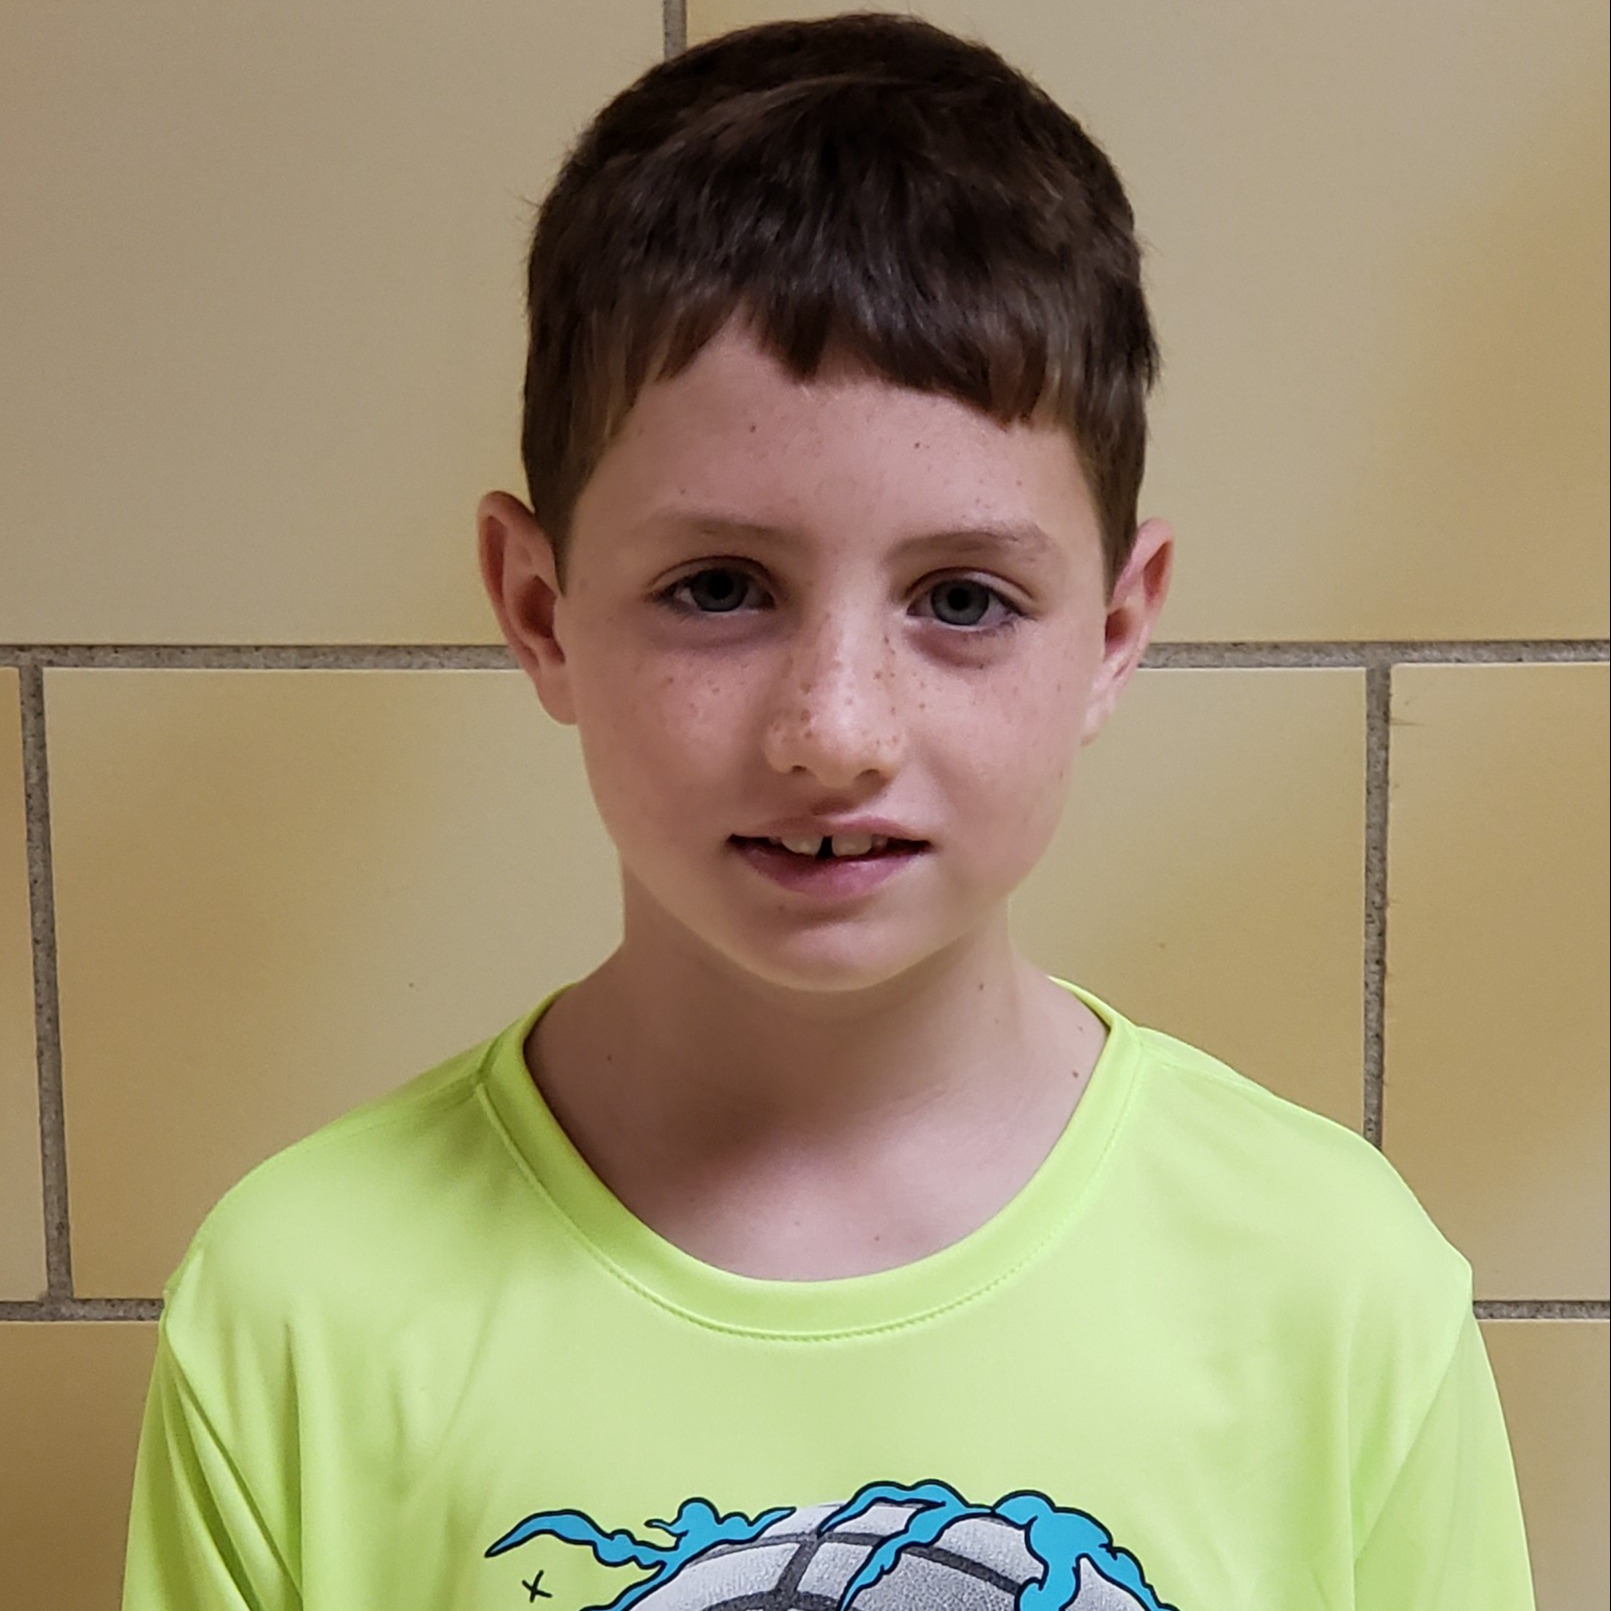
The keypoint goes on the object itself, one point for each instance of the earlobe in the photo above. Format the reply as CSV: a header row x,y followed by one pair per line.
x,y
519,573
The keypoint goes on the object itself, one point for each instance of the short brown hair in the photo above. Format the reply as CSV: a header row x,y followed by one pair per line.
x,y
866,187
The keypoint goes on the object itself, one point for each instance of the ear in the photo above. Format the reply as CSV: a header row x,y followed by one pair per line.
x,y
1132,612
521,578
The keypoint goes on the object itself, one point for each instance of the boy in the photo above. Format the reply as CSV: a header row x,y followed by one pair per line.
x,y
816,1251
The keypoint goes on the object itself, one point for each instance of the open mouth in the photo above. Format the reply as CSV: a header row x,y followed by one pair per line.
x,y
836,847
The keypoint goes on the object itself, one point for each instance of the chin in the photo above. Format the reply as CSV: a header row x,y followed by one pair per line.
x,y
823,954
823,976
836,959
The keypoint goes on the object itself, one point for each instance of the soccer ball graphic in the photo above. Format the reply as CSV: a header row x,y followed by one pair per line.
x,y
979,1563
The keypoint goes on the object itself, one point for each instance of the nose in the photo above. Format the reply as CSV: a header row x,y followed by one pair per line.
x,y
835,709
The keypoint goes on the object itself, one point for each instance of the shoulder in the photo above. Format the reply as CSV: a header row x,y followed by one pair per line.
x,y
333,1221
1308,1195
1297,1238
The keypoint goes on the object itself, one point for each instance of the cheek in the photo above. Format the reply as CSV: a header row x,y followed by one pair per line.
x,y
1036,711
1023,742
651,735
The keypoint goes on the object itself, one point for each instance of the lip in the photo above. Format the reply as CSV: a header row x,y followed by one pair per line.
x,y
832,879
827,827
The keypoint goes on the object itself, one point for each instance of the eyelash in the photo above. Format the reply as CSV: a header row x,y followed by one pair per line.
x,y
668,597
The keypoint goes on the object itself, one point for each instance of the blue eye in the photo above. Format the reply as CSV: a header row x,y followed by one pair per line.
x,y
962,603
959,601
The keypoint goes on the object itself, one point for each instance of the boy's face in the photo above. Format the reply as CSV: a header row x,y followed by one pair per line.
x,y
795,609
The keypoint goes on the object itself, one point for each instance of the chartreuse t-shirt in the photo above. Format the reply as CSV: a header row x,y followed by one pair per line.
x,y
1212,1357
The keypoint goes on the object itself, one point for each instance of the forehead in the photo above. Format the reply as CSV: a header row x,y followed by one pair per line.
x,y
738,437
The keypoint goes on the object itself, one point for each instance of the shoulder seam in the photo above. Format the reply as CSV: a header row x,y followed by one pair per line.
x,y
1167,1049
356,1121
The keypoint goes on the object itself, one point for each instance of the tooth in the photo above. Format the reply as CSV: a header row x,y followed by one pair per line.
x,y
852,844
801,846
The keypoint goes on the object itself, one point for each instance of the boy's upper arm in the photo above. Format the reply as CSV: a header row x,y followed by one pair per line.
x,y
1449,1535
197,1540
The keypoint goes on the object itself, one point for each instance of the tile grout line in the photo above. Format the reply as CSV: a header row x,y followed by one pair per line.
x,y
673,27
47,1000
1363,653
62,1311
1543,1308
270,657
1378,750
1273,654
104,1310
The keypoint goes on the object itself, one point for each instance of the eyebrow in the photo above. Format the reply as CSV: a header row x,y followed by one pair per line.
x,y
1024,539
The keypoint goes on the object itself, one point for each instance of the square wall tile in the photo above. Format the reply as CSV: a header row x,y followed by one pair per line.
x,y
71,1398
1552,1380
1496,1101
1375,241
1206,878
280,893
263,300
22,1245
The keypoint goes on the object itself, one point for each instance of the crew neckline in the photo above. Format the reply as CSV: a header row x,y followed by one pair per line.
x,y
1058,1190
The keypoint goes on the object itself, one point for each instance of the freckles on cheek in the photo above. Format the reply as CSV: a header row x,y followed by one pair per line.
x,y
688,702
664,725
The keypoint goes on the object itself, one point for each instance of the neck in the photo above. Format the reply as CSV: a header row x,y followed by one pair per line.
x,y
692,1033
708,1098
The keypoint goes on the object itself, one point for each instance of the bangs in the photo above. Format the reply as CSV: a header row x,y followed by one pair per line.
x,y
864,252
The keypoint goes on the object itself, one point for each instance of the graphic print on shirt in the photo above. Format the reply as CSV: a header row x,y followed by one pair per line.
x,y
891,1547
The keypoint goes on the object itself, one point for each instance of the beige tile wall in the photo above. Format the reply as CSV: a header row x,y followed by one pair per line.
x,y
1352,821
279,893
1377,258
72,1396
269,318
1224,906
1552,1377
1496,1014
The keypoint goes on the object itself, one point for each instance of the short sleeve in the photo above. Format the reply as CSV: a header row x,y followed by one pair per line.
x,y
1449,1536
196,1539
